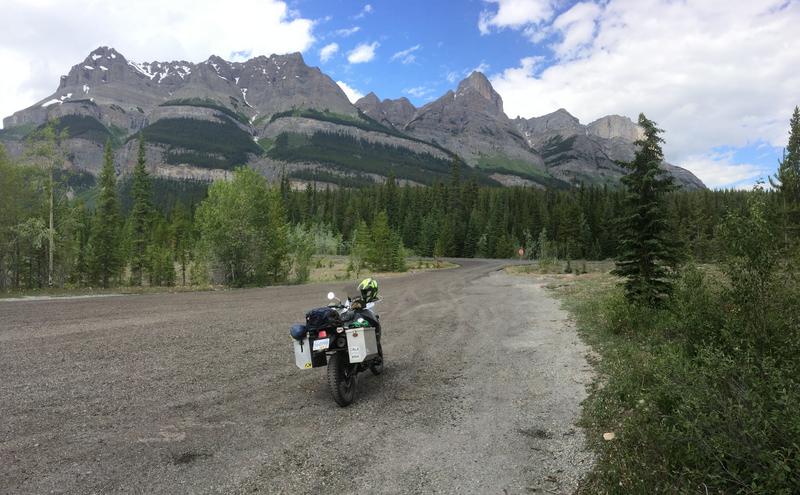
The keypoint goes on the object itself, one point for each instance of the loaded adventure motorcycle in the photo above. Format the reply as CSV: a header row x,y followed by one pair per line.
x,y
345,336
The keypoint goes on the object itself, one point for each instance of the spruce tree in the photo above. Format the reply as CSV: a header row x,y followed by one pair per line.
x,y
105,240
646,251
141,216
787,181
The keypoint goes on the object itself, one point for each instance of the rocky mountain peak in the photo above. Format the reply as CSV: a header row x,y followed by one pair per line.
x,y
615,126
104,53
476,85
560,122
368,99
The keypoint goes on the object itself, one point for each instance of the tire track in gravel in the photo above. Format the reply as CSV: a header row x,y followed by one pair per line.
x,y
198,393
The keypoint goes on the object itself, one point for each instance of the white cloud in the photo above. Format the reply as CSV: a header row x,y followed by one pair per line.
x,y
717,170
352,94
42,39
515,14
418,91
406,56
328,51
457,75
364,52
711,72
344,33
577,28
481,67
366,10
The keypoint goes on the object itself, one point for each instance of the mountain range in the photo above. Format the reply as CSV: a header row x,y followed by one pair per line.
x,y
278,115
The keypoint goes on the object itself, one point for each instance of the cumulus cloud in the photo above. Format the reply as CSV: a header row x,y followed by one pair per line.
x,y
515,14
33,51
352,94
711,73
328,51
718,170
362,53
406,56
576,27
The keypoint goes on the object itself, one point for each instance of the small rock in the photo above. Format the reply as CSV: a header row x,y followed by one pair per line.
x,y
609,435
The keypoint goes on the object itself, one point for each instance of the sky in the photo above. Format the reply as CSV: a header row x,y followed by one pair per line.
x,y
719,76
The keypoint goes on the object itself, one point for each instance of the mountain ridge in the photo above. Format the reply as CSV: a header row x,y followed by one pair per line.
x,y
295,117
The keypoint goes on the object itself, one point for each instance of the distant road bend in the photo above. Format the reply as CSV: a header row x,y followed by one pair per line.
x,y
198,393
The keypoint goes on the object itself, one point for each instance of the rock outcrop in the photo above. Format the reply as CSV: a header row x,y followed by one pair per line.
x,y
193,114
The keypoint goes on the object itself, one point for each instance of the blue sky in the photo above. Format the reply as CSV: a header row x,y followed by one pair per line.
x,y
720,76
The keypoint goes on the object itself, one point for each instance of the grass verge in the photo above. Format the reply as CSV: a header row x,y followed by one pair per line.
x,y
699,397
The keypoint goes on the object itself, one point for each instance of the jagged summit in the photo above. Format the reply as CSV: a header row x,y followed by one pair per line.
x,y
211,116
477,85
393,113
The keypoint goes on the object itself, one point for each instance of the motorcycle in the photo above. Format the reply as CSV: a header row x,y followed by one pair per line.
x,y
345,337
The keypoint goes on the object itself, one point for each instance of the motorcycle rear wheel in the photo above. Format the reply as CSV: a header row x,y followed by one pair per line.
x,y
342,379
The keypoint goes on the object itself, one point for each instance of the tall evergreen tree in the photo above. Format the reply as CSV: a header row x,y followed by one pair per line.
x,y
105,242
141,216
646,251
787,181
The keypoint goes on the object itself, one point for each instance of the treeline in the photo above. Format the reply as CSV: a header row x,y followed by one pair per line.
x,y
248,232
459,218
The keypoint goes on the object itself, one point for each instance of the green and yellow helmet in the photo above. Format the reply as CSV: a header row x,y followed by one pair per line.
x,y
369,289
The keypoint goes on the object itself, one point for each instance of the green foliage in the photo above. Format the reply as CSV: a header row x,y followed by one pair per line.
x,y
363,123
242,226
385,248
83,127
208,103
166,193
348,180
140,216
359,248
105,261
17,132
702,393
202,143
301,249
787,183
556,150
184,239
647,251
347,152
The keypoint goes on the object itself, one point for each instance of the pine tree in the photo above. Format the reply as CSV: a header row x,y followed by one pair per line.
x,y
379,253
182,230
141,216
646,252
787,181
359,247
106,261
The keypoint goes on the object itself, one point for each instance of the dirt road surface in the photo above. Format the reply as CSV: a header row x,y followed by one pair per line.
x,y
198,393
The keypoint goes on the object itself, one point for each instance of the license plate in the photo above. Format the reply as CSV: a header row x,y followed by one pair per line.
x,y
321,344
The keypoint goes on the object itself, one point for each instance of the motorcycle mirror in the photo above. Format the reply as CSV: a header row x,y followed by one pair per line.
x,y
331,296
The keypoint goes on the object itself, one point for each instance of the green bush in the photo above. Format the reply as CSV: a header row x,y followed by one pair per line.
x,y
703,394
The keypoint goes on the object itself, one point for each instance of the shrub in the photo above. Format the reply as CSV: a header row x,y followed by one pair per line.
x,y
703,394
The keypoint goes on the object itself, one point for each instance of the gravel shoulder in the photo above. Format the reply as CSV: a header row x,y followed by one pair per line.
x,y
198,393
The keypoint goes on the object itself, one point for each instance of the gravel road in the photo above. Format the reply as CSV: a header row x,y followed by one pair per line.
x,y
198,393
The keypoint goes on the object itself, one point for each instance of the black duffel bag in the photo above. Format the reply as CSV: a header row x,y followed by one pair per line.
x,y
322,318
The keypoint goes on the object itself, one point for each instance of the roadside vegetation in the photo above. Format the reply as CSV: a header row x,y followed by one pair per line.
x,y
698,387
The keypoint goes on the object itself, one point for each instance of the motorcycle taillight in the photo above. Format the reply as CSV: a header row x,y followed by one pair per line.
x,y
322,334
